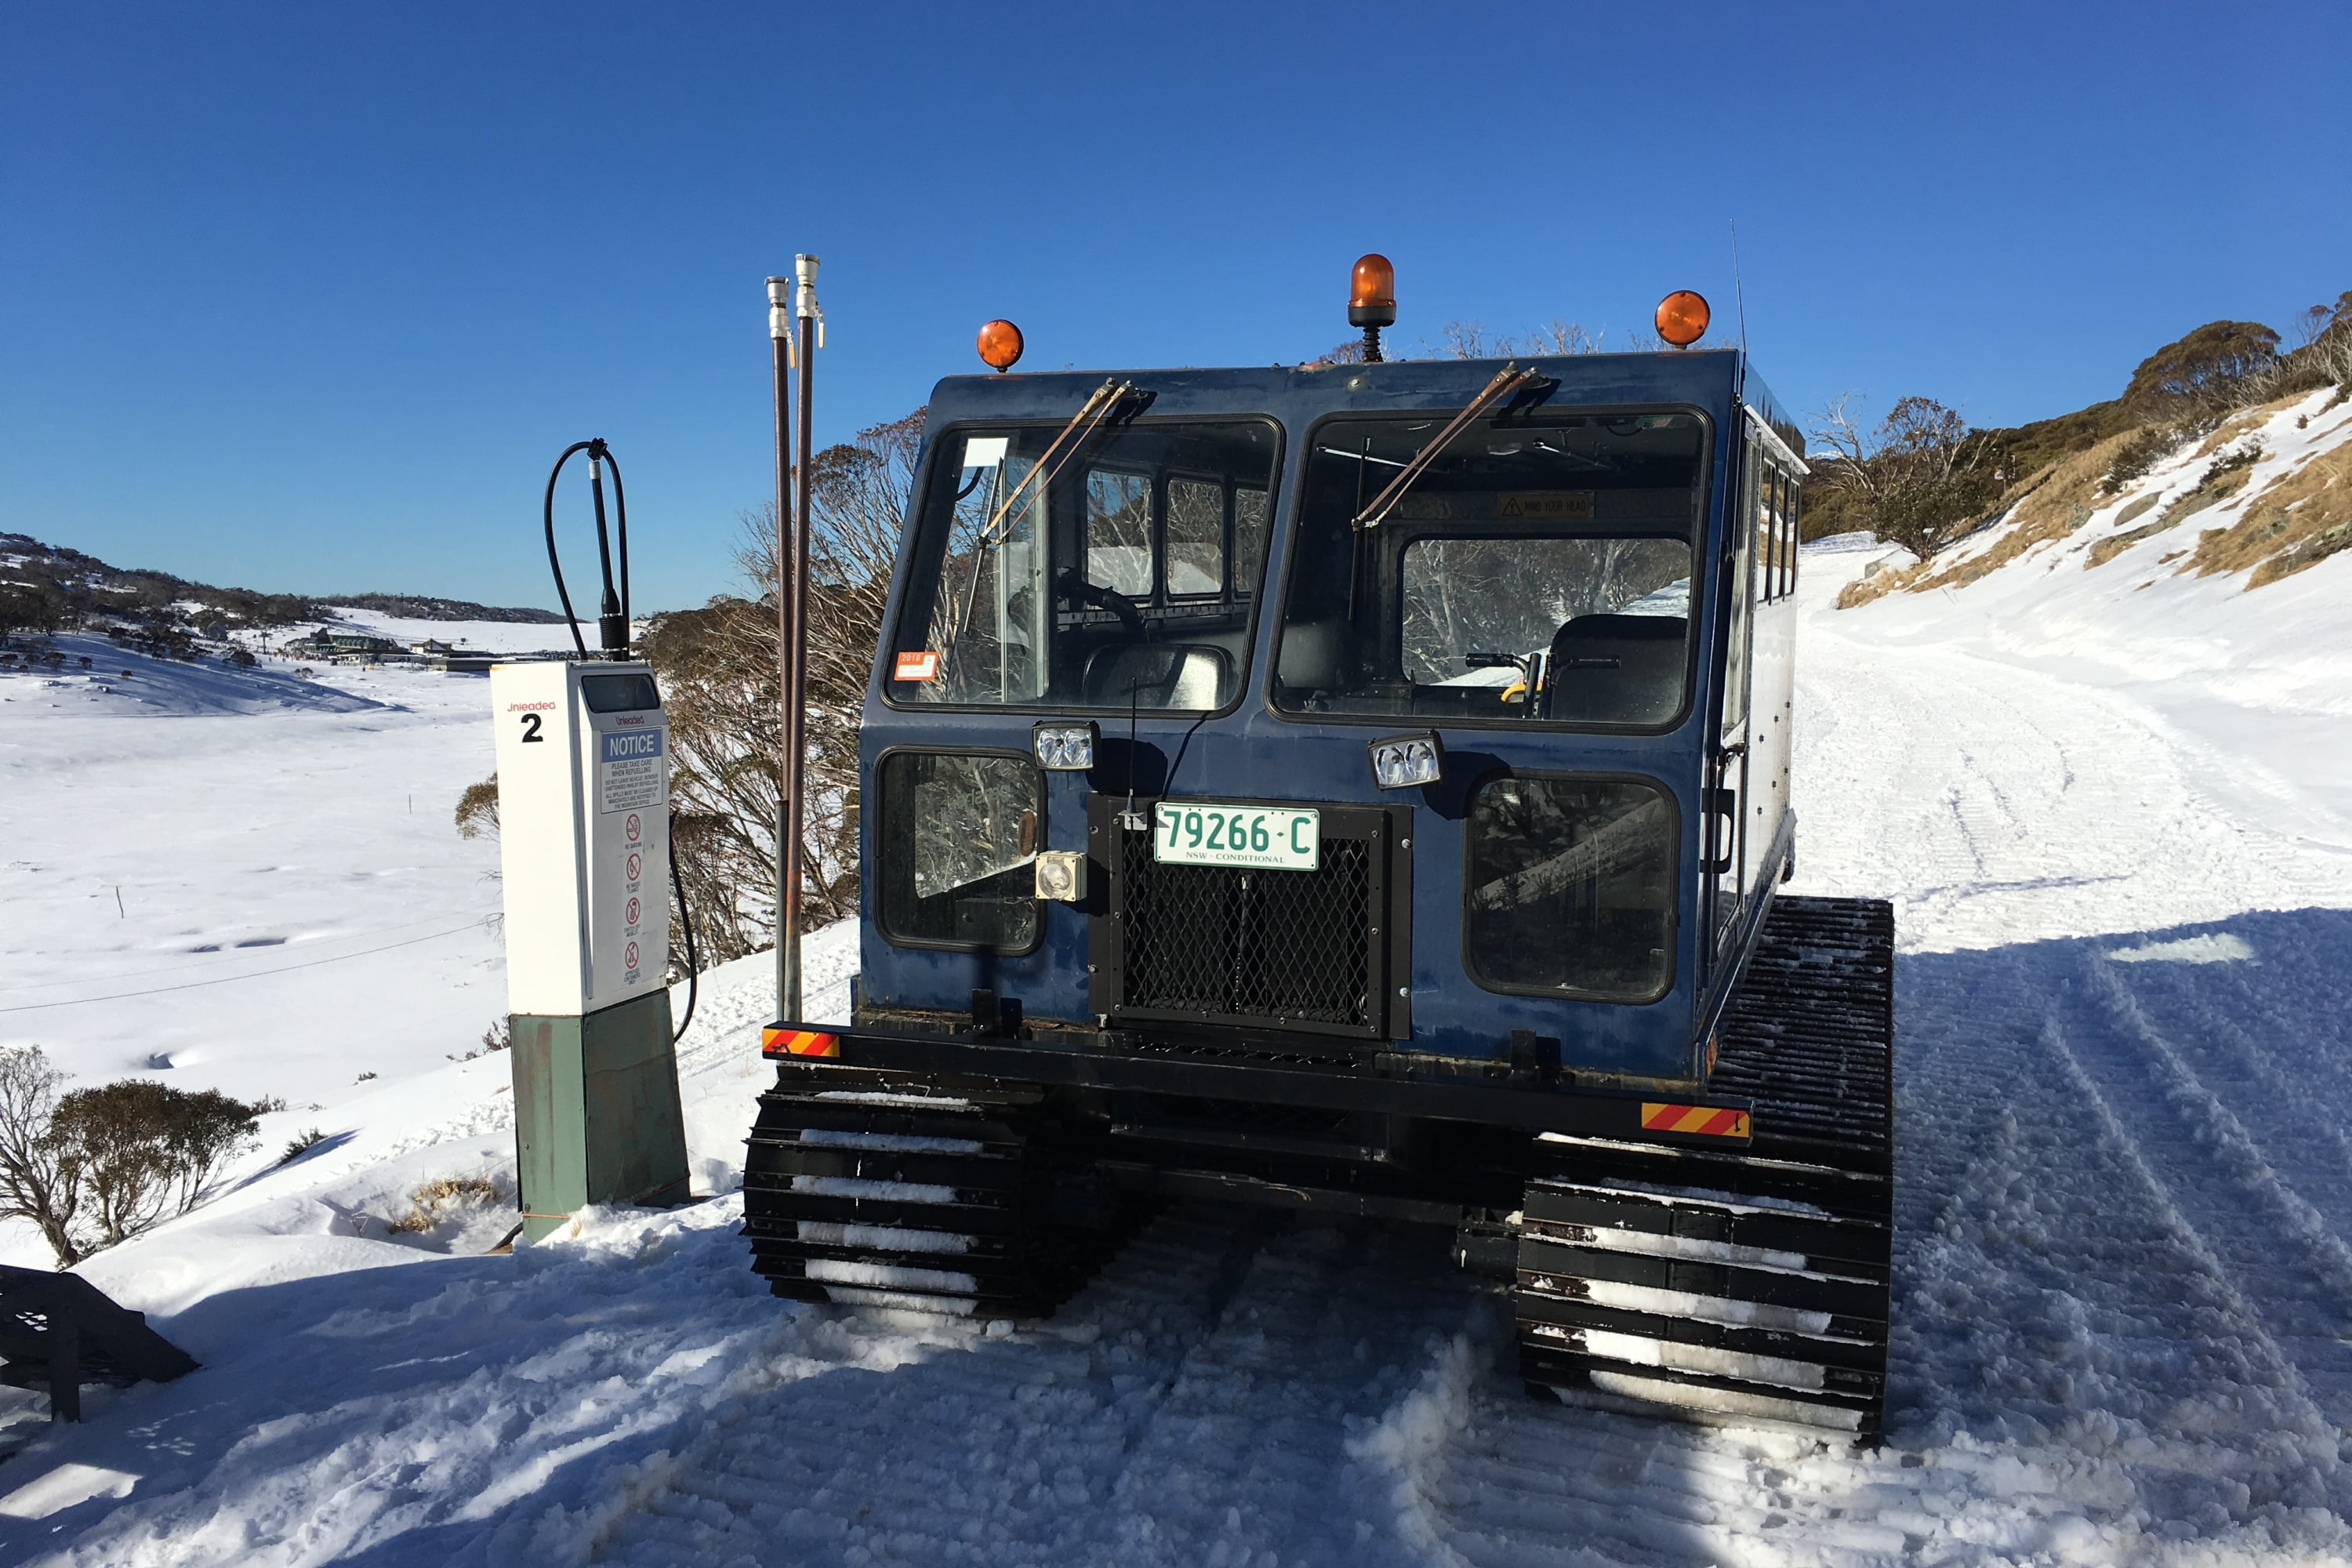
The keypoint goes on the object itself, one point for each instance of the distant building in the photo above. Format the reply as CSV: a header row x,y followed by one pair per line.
x,y
325,641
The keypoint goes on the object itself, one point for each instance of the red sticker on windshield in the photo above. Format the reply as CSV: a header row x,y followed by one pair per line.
x,y
923,665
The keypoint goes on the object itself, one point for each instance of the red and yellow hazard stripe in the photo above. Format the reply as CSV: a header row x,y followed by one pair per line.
x,y
1705,1120
781,1042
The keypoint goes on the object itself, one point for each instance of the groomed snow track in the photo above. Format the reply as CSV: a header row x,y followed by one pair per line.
x,y
1753,1286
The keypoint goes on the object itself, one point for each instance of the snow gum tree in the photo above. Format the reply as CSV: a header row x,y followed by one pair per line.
x,y
720,684
1921,478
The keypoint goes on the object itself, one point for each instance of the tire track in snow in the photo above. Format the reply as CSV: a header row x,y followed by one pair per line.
x,y
2279,1253
977,1447
1182,1409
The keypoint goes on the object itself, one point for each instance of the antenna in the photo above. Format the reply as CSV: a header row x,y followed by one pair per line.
x,y
1738,293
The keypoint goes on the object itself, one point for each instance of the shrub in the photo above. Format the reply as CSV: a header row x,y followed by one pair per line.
x,y
143,1152
499,1036
301,1144
477,809
2237,458
2146,448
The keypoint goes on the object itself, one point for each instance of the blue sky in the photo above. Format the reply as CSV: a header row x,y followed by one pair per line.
x,y
307,297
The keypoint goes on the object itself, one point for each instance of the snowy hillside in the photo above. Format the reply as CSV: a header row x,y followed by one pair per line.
x,y
2115,829
2203,590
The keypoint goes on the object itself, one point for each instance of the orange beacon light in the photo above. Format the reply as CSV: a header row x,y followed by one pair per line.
x,y
1682,317
999,345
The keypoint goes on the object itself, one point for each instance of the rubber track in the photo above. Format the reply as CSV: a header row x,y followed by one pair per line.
x,y
860,1190
1747,1287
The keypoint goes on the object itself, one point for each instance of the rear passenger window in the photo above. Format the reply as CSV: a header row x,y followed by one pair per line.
x,y
1118,531
1196,537
1249,538
1567,888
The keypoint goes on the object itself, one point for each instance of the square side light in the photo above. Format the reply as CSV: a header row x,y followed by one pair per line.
x,y
1400,761
1064,747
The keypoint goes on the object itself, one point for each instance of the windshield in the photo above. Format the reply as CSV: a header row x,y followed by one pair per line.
x,y
1128,579
1539,570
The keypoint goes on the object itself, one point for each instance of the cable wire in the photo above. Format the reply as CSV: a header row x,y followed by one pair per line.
x,y
553,564
685,923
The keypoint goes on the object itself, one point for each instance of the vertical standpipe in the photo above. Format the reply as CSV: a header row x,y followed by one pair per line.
x,y
809,320
780,334
583,851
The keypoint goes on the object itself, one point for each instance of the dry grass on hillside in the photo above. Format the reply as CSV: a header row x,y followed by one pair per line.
x,y
2299,521
2048,505
2295,521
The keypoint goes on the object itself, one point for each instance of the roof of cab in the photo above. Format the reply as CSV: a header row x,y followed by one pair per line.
x,y
1708,378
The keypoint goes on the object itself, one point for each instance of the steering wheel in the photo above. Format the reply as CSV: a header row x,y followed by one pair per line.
x,y
1074,587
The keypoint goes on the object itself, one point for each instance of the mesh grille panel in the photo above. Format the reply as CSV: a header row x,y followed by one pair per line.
x,y
1228,943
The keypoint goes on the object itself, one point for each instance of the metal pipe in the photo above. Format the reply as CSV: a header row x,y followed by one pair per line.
x,y
788,937
779,330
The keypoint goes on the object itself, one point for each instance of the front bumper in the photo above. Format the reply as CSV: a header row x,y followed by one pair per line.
x,y
1385,1083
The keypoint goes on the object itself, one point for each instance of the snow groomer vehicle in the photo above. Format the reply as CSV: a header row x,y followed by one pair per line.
x,y
1359,789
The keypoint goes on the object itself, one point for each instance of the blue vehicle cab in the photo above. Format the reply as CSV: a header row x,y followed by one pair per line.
x,y
1358,789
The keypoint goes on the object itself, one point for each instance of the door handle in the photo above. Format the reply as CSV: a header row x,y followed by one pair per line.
x,y
1721,806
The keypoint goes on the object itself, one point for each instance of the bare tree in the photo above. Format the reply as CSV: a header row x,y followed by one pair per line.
x,y
35,1182
1559,337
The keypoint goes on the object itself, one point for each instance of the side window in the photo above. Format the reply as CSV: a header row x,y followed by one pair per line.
x,y
1737,586
1118,531
957,836
1568,887
1196,537
1796,530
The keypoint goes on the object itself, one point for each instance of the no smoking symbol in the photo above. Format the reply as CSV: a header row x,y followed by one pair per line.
x,y
633,828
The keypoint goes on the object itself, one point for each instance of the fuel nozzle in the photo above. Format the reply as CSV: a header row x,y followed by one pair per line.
x,y
612,612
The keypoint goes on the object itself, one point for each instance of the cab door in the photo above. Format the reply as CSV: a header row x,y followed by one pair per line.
x,y
1724,823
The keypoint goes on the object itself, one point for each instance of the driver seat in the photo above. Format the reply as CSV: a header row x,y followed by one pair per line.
x,y
1616,669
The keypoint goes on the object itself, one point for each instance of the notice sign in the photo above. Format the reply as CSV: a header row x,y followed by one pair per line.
x,y
1568,504
629,771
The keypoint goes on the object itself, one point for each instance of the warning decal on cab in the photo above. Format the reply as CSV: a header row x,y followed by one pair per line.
x,y
776,1042
922,665
1706,1121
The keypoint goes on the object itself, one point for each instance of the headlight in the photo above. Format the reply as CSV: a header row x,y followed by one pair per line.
x,y
1400,761
1064,748
1062,875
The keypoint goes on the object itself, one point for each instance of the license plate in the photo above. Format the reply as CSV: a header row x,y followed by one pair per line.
x,y
1203,833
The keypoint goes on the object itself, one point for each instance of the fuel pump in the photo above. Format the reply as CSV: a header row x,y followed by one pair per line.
x,y
584,835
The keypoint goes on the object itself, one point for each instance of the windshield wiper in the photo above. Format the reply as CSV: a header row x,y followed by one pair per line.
x,y
1100,406
1508,379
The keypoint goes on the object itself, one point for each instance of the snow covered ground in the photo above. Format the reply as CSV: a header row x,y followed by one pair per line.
x,y
246,878
2126,1197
